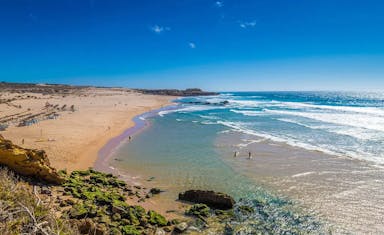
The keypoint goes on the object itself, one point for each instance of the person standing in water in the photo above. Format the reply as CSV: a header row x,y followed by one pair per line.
x,y
236,153
249,155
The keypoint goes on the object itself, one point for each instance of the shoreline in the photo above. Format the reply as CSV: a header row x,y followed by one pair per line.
x,y
85,120
106,152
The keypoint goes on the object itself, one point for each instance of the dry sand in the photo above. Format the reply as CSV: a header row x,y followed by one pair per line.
x,y
73,139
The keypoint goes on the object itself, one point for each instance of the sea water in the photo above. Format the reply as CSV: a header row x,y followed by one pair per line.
x,y
193,145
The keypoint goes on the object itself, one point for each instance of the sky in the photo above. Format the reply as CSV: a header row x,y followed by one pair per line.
x,y
225,45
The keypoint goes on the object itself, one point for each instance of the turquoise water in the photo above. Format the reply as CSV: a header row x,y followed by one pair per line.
x,y
338,123
179,156
191,147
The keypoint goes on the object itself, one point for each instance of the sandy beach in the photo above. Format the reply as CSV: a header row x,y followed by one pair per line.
x,y
73,126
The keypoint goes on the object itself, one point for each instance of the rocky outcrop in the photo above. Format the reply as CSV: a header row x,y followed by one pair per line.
x,y
175,92
211,198
28,162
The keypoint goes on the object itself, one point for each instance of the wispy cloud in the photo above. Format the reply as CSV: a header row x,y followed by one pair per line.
x,y
192,45
247,24
159,29
219,3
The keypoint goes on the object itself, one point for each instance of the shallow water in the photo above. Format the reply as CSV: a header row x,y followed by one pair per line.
x,y
307,147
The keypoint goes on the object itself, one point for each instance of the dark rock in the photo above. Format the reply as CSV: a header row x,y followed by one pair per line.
x,y
45,190
155,190
211,198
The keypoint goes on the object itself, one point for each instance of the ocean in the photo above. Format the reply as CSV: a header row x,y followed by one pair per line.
x,y
323,150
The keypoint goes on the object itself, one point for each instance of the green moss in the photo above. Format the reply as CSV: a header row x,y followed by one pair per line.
x,y
116,217
199,210
224,214
156,219
101,195
130,230
63,173
120,204
78,211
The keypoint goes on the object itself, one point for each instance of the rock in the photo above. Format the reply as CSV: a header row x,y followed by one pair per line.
x,y
45,190
211,198
156,219
199,210
155,190
28,162
160,231
193,229
181,227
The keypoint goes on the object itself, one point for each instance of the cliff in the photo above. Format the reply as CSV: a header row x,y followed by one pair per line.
x,y
28,162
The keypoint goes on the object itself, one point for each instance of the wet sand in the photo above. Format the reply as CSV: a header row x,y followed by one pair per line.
x,y
348,193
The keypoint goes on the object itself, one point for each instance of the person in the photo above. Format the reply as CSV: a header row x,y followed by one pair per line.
x,y
22,141
249,155
130,138
236,153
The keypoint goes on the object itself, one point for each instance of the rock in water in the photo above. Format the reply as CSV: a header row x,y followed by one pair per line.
x,y
211,198
28,162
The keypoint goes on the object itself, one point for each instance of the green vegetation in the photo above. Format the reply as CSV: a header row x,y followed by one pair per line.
x,y
101,197
88,202
199,210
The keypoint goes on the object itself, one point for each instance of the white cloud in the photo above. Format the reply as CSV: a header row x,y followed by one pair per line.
x,y
192,45
219,3
249,24
159,29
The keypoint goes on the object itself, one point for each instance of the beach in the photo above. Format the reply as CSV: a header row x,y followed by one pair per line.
x,y
74,136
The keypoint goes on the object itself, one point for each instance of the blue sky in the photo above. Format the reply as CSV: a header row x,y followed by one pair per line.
x,y
216,45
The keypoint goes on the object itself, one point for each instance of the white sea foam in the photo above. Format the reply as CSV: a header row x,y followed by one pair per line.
x,y
209,117
303,174
247,112
188,109
307,106
355,120
238,126
364,110
356,132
